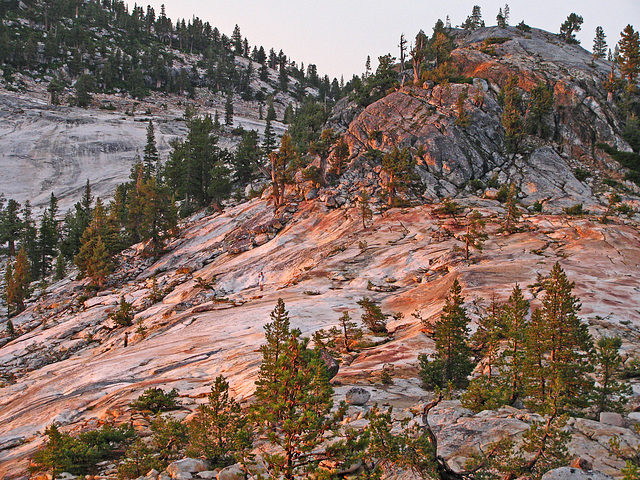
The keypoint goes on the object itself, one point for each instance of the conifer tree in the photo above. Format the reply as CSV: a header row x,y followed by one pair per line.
x,y
293,399
351,333
629,59
609,394
283,164
100,264
511,115
322,148
10,225
29,239
398,165
219,431
228,109
372,316
48,237
513,358
452,359
571,25
365,209
150,158
159,216
599,44
247,158
558,349
269,140
340,156
539,106
474,21
475,235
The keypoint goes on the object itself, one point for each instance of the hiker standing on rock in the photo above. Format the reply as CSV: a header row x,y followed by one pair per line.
x,y
261,281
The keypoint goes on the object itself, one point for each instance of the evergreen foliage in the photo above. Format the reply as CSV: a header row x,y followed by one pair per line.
x,y
629,59
571,25
399,166
292,418
475,234
219,431
123,317
196,170
156,400
512,120
452,359
372,317
599,44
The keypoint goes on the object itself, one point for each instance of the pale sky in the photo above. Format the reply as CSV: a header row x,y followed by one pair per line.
x,y
337,35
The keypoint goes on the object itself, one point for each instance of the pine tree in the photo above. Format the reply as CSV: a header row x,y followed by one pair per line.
x,y
100,264
365,209
372,317
93,260
474,21
340,156
283,164
10,225
539,106
513,358
150,158
609,394
511,115
558,349
293,399
452,359
269,140
511,205
629,57
219,431
48,237
398,165
29,239
599,44
571,25
159,216
247,160
322,149
351,333
228,109
475,235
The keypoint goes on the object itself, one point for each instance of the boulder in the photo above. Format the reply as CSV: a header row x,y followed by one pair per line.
x,y
357,396
611,418
332,365
186,465
232,472
570,473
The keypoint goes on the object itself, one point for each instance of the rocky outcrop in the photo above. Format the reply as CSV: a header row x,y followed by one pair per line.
x,y
456,141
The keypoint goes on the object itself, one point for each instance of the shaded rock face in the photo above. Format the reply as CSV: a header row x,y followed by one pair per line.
x,y
425,121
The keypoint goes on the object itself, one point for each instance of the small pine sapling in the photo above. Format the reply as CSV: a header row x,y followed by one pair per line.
x,y
373,317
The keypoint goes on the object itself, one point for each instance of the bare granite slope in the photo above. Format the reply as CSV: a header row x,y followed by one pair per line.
x,y
70,364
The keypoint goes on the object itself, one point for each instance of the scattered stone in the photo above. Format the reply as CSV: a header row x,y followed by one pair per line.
x,y
357,396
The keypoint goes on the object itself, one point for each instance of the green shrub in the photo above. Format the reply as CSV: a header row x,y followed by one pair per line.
x,y
124,315
156,400
575,210
581,174
537,206
79,455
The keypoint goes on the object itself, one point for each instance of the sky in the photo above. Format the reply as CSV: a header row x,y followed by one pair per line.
x,y
338,35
